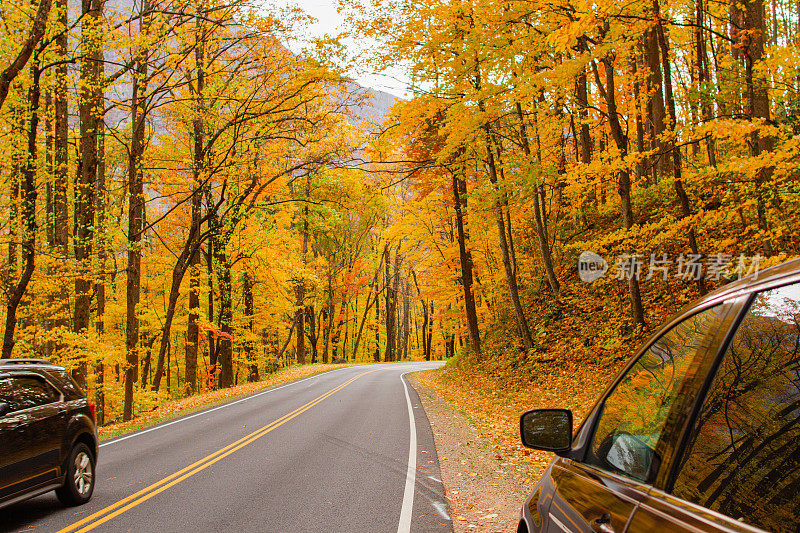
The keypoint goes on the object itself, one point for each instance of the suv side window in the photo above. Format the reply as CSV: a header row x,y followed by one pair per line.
x,y
743,456
31,391
67,382
642,417
6,395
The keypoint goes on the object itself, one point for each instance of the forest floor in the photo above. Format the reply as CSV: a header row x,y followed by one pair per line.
x,y
474,414
484,492
176,408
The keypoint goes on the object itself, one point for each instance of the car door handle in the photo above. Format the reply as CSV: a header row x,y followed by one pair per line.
x,y
602,524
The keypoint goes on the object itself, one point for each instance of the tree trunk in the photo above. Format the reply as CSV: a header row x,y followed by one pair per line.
x,y
337,331
391,303
373,286
198,160
288,340
425,349
376,355
406,305
299,321
511,277
677,176
773,38
28,212
192,329
89,111
18,158
465,259
300,295
135,223
623,177
538,215
701,65
327,316
311,323
656,110
102,246
145,367
191,246
641,166
60,216
210,285
249,311
748,34
429,354
225,346
35,35
398,335
582,97
49,165
58,238
346,328
426,319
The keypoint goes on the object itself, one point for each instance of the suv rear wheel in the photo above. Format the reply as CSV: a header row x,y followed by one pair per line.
x,y
79,478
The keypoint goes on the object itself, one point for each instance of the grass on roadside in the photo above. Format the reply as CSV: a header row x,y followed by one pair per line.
x,y
176,408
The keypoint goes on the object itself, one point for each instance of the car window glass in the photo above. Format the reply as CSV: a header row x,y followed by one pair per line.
x,y
67,381
5,390
634,433
31,391
744,450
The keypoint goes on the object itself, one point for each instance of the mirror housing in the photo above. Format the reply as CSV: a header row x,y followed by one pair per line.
x,y
4,408
547,429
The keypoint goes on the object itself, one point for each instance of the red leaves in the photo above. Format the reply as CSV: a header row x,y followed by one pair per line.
x,y
206,327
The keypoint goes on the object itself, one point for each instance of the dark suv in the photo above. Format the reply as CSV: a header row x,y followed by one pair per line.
x,y
700,432
48,436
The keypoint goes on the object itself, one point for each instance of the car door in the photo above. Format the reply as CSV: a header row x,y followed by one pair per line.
x,y
588,499
10,452
633,434
741,467
32,433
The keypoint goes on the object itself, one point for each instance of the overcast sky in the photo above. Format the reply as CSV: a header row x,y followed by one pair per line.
x,y
330,22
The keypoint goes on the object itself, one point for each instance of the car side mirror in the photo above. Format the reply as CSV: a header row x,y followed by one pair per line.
x,y
547,429
4,408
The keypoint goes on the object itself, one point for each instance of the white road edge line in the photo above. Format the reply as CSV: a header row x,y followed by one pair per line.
x,y
411,474
201,413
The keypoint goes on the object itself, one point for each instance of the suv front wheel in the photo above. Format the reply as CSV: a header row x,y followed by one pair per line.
x,y
79,477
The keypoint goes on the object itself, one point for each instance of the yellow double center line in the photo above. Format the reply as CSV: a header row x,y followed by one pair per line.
x,y
125,504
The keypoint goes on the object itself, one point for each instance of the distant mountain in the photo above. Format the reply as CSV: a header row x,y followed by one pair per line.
x,y
378,105
371,106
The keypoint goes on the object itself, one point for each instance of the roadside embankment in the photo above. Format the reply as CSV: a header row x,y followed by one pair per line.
x,y
474,414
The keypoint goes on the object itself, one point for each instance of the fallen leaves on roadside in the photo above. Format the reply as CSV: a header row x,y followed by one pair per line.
x,y
494,404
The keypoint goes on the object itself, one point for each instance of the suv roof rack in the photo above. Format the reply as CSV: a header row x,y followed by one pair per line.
x,y
21,361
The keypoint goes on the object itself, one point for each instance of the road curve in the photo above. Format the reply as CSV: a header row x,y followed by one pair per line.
x,y
332,452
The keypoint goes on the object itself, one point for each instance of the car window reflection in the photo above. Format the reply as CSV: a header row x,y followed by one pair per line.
x,y
744,458
28,391
632,434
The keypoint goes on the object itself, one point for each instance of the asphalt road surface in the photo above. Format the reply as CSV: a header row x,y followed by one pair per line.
x,y
333,452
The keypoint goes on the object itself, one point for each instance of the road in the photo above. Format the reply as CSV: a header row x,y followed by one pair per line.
x,y
334,452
